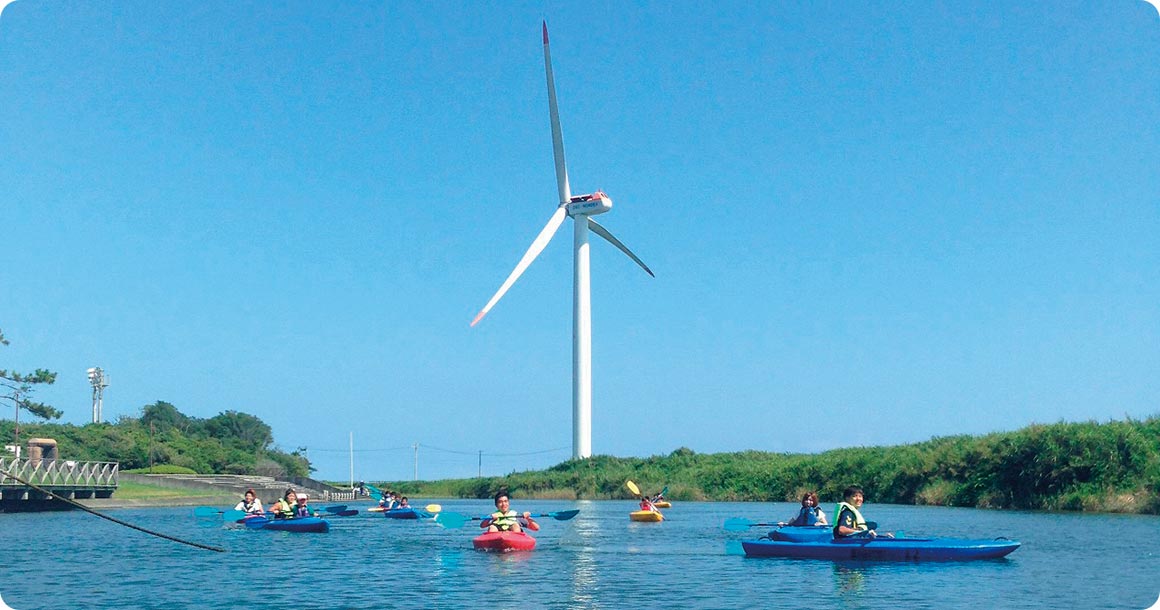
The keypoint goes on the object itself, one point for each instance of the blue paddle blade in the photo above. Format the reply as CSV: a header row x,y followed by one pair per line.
x,y
206,511
335,509
736,524
563,515
451,520
733,547
233,515
350,512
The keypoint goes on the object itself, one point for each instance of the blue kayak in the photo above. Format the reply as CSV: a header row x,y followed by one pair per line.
x,y
298,524
802,533
864,548
401,513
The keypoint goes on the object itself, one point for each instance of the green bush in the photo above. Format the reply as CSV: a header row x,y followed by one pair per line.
x,y
1090,466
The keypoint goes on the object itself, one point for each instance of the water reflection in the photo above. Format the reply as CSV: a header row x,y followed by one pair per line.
x,y
849,580
583,564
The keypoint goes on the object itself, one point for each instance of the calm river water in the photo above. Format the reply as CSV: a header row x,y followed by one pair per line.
x,y
597,560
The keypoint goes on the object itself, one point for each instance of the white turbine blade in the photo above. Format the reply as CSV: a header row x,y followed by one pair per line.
x,y
537,246
557,134
601,231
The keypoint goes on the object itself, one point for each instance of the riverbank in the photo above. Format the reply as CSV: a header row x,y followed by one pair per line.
x,y
1111,467
131,495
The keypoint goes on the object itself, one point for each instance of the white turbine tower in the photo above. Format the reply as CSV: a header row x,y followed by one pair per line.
x,y
580,208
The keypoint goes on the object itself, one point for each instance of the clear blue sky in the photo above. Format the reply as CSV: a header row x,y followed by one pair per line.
x,y
871,223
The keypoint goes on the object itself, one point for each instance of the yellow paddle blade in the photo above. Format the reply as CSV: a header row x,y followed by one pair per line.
x,y
434,508
633,488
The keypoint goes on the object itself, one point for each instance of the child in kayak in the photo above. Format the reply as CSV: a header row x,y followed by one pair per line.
x,y
302,510
504,519
810,513
646,504
250,504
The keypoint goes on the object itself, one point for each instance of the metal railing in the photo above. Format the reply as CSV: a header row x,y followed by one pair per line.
x,y
58,473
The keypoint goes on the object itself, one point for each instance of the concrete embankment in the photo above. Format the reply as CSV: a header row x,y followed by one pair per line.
x,y
115,502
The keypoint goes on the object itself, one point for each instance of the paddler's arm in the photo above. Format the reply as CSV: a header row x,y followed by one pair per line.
x,y
845,525
532,525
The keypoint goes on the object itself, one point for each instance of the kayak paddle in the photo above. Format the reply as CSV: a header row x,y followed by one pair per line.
x,y
633,488
350,512
375,492
737,524
206,511
335,509
456,520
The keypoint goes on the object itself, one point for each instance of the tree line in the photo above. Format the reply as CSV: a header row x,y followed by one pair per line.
x,y
227,443
1108,467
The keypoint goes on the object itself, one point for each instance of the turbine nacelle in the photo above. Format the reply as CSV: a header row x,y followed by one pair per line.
x,y
588,205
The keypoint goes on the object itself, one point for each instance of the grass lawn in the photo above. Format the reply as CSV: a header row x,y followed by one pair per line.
x,y
139,491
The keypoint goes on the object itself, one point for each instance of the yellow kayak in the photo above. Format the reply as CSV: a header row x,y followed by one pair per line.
x,y
646,515
663,504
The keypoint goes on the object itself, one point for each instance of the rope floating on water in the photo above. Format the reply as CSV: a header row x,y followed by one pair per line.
x,y
113,519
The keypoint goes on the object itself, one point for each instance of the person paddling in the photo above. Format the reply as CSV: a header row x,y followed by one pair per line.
x,y
250,504
504,519
284,508
849,520
647,504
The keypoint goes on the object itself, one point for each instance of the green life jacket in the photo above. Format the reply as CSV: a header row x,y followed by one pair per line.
x,y
859,522
284,509
504,521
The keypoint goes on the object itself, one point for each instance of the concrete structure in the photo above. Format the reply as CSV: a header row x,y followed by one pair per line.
x,y
66,478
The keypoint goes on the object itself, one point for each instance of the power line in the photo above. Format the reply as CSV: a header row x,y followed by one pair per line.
x,y
426,446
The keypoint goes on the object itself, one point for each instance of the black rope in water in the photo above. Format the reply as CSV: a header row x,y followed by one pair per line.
x,y
114,520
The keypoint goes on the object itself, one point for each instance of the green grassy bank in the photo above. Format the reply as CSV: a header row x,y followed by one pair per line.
x,y
1105,467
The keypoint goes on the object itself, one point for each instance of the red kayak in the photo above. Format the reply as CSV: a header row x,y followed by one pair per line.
x,y
503,542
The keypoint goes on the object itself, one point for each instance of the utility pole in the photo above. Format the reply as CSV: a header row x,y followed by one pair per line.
x,y
16,395
479,473
352,460
150,447
416,446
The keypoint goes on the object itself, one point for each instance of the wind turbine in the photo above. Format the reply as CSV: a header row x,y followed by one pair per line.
x,y
580,208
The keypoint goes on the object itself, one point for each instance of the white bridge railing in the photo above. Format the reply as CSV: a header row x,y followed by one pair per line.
x,y
58,473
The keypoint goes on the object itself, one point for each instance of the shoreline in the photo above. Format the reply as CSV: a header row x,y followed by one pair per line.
x,y
209,500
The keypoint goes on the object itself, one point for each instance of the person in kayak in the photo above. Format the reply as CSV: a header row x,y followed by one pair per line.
x,y
505,519
403,503
303,509
250,504
849,521
647,504
388,500
810,513
284,508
